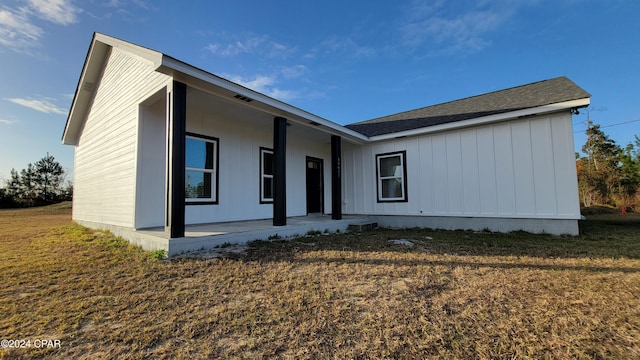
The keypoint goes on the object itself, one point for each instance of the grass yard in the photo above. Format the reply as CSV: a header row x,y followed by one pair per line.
x,y
453,295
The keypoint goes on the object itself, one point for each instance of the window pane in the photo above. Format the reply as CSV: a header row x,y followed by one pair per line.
x,y
267,189
195,153
199,154
267,163
390,166
197,185
391,188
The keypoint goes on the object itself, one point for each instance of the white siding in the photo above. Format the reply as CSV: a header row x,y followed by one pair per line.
x,y
453,157
518,169
151,171
105,157
241,133
425,177
486,177
503,159
543,171
470,169
564,168
523,168
439,170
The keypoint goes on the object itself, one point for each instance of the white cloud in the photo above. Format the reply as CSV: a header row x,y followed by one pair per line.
x,y
122,3
235,48
252,44
284,95
264,84
293,72
39,105
350,45
61,12
16,31
342,45
122,9
260,83
7,122
448,29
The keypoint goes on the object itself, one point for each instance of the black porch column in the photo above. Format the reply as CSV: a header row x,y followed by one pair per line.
x,y
336,177
177,133
279,171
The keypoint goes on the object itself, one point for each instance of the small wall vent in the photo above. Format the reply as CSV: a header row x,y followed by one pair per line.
x,y
243,98
87,86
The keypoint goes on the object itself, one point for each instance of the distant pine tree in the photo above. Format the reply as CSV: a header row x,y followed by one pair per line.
x,y
38,184
48,176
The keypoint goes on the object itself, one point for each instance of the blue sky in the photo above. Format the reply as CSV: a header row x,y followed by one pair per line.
x,y
346,61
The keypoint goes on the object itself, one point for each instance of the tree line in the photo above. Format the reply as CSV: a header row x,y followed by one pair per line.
x,y
608,174
41,183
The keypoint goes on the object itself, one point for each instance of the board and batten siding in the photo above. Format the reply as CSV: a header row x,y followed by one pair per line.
x,y
105,157
517,169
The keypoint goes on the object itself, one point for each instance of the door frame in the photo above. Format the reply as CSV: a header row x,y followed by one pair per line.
x,y
320,163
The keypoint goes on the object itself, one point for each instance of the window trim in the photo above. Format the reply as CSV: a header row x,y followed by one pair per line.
x,y
262,175
215,173
403,162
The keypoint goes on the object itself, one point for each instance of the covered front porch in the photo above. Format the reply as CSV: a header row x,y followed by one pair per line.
x,y
208,236
226,157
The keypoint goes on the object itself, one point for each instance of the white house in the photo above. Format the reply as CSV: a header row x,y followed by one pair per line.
x,y
160,144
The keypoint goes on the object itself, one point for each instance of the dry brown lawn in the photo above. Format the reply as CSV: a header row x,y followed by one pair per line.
x,y
454,295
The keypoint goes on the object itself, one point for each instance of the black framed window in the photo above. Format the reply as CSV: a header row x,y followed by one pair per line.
x,y
266,175
201,169
391,173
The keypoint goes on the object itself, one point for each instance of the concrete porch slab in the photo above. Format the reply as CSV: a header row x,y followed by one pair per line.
x,y
208,236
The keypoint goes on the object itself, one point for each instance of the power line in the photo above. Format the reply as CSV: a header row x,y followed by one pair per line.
x,y
606,126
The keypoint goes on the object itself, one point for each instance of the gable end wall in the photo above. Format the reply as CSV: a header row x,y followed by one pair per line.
x,y
105,165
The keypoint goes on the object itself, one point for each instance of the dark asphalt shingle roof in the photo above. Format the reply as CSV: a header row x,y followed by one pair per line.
x,y
532,95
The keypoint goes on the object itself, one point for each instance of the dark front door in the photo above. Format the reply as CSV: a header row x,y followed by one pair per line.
x,y
314,185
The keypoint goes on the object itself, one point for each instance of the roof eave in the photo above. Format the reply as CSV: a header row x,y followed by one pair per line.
x,y
206,81
562,106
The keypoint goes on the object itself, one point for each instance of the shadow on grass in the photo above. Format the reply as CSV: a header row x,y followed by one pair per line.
x,y
601,239
519,264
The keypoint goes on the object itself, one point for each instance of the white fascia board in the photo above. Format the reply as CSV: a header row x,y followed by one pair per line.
x,y
487,119
279,108
151,55
90,71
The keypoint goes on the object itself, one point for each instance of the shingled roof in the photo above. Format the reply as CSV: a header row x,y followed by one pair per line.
x,y
532,95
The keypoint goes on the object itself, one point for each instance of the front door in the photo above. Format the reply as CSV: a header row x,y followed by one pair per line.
x,y
314,185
